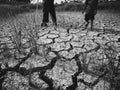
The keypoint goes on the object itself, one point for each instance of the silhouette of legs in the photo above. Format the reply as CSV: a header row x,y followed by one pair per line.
x,y
46,11
45,16
89,17
91,24
53,15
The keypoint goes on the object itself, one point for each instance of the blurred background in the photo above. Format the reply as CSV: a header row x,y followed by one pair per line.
x,y
21,33
13,7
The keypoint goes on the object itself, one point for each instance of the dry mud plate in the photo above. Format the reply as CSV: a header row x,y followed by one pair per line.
x,y
59,59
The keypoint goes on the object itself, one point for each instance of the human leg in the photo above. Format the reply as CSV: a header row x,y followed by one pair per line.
x,y
92,21
53,15
87,18
91,24
45,16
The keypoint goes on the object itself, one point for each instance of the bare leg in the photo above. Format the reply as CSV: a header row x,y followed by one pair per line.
x,y
87,20
91,24
87,23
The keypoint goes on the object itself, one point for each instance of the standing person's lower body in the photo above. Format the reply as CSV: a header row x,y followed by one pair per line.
x,y
46,11
89,17
53,15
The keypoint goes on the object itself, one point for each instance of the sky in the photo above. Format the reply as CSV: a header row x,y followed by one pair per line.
x,y
55,1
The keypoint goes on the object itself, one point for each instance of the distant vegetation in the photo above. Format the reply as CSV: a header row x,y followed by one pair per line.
x,y
10,10
75,6
13,9
14,1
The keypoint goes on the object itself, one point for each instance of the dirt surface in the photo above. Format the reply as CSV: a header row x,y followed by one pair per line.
x,y
69,39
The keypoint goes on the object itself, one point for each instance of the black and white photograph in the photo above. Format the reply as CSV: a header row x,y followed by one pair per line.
x,y
59,44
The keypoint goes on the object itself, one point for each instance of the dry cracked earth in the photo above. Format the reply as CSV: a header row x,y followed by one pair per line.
x,y
92,47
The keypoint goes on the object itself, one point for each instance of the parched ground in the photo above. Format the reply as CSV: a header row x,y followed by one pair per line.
x,y
68,39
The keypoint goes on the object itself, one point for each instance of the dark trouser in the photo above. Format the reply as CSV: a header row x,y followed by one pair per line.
x,y
89,17
46,11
